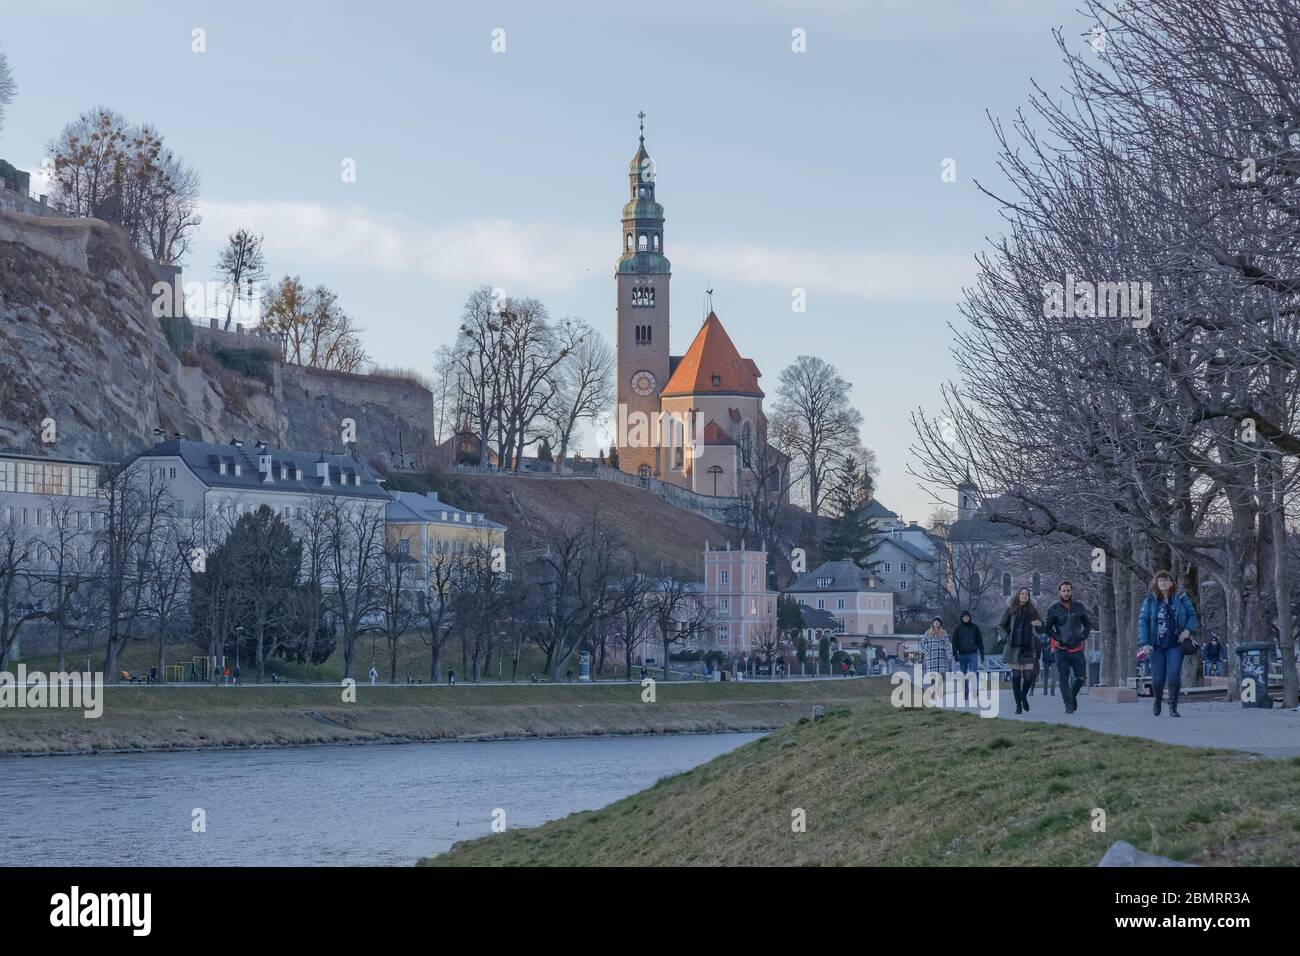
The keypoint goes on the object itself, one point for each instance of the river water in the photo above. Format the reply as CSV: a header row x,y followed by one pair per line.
x,y
376,805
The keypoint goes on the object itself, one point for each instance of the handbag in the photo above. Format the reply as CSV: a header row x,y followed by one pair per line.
x,y
1189,646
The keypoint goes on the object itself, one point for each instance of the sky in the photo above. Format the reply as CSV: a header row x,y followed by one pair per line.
x,y
819,170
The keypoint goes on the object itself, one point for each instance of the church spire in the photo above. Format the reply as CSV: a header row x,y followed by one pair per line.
x,y
643,217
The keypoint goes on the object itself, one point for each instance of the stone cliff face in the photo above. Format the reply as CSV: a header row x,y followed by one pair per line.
x,y
80,345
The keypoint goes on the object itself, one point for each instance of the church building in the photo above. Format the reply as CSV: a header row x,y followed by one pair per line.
x,y
694,420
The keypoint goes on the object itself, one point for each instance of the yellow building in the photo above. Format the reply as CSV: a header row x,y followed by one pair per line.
x,y
424,527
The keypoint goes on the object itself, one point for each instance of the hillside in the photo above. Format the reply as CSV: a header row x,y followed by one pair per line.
x,y
79,343
882,786
660,535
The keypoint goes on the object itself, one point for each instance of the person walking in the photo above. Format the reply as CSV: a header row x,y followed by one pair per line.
x,y
238,683
1047,663
1166,624
1019,628
968,648
374,675
936,649
1213,654
1068,625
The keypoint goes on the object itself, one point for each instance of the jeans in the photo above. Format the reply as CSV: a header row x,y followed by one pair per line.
x,y
1212,669
1166,668
1071,668
968,663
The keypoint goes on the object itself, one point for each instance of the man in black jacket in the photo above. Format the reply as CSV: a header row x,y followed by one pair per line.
x,y
968,648
1068,625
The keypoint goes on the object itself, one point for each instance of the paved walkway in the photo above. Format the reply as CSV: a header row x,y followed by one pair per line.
x,y
1272,733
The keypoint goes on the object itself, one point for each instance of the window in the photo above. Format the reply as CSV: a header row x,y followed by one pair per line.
x,y
724,576
717,381
821,604
823,582
171,472
656,241
642,244
888,566
839,604
629,242
902,566
1006,584
753,607
746,445
902,585
8,475
724,604
724,633
678,457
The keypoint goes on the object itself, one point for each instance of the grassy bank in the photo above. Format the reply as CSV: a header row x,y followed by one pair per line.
x,y
921,787
170,718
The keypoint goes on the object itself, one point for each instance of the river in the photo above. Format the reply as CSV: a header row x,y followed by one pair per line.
x,y
381,805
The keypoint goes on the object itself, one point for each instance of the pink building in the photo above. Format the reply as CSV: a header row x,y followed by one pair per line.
x,y
735,591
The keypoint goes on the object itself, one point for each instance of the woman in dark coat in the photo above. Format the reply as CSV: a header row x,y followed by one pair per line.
x,y
1019,629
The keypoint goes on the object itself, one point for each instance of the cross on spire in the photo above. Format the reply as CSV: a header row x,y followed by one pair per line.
x,y
641,117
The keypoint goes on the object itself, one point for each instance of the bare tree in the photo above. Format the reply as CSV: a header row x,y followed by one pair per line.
x,y
678,614
585,379
132,511
107,168
354,542
241,266
399,575
15,584
7,87
812,417
313,329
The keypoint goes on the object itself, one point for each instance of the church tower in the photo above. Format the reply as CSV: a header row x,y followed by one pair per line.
x,y
641,273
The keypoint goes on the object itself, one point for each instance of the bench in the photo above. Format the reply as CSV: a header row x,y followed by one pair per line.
x,y
129,678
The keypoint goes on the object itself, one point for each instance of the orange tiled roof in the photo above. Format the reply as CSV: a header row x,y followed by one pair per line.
x,y
713,354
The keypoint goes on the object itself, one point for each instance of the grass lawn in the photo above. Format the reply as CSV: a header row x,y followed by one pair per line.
x,y
180,716
412,656
889,787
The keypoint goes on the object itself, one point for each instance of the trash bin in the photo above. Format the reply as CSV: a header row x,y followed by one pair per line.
x,y
1253,659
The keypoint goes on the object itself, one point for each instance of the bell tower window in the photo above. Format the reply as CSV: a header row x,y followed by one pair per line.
x,y
642,244
656,243
629,242
643,297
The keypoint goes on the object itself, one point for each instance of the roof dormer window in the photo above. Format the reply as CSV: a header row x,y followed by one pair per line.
x,y
823,582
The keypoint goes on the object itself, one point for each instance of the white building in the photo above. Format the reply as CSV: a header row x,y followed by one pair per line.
x,y
230,480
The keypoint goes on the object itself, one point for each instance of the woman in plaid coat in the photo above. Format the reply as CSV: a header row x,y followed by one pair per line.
x,y
936,649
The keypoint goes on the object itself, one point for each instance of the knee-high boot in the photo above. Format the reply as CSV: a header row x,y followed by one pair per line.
x,y
1027,685
1018,691
1173,699
1157,691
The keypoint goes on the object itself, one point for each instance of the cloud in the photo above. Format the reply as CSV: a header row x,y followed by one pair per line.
x,y
493,251
547,257
869,274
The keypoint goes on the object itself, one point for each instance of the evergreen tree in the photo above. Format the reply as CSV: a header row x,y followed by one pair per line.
x,y
851,532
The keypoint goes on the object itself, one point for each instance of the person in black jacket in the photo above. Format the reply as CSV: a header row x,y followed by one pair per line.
x,y
968,648
1068,625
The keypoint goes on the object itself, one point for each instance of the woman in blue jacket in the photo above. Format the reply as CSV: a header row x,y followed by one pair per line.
x,y
1166,620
